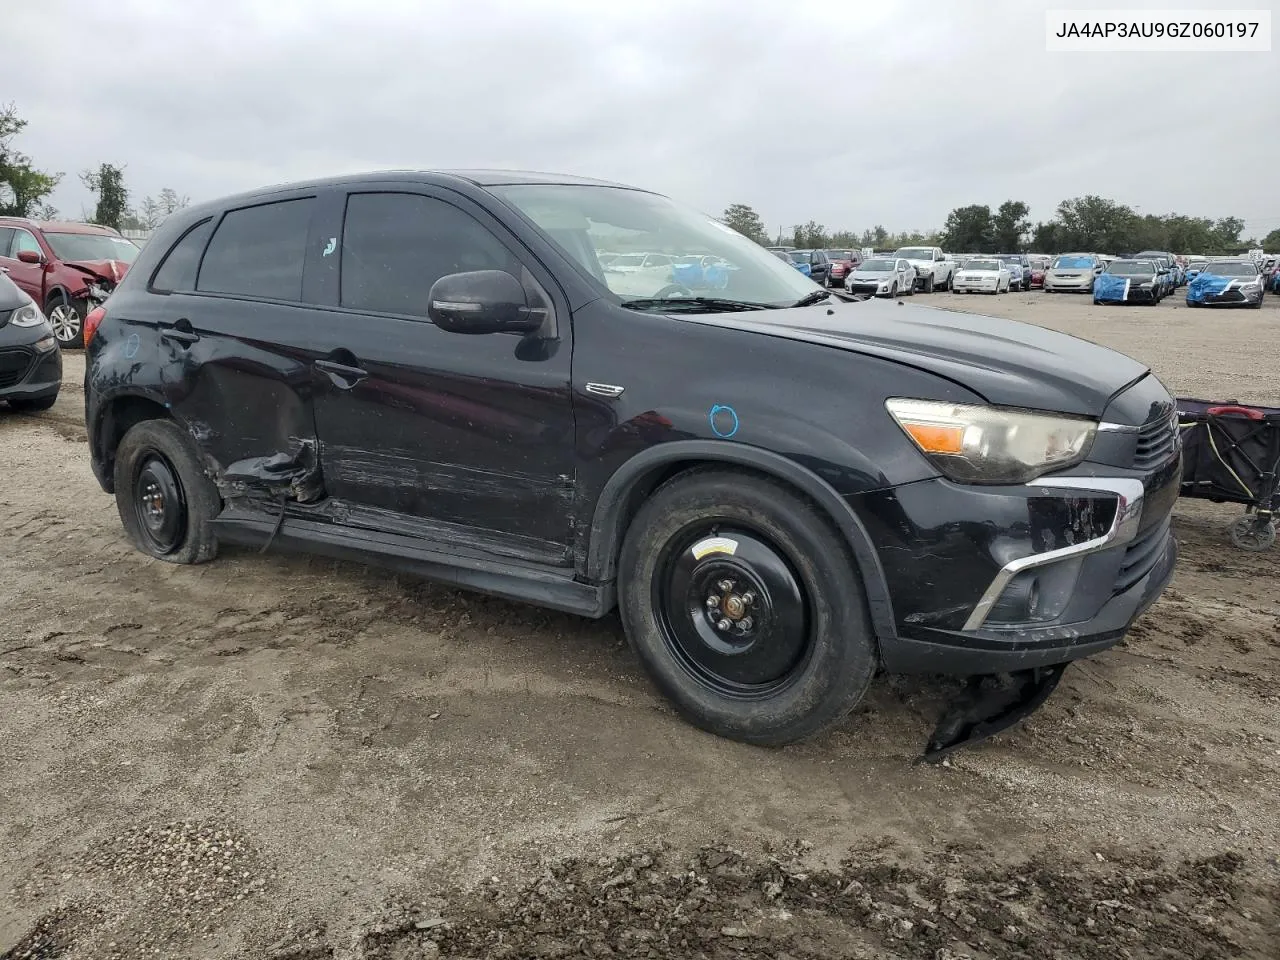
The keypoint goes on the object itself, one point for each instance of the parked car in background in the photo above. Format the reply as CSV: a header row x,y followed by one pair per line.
x,y
1175,277
933,270
782,494
1194,266
1019,269
801,264
843,262
819,265
1129,281
883,277
1037,274
1072,273
991,275
30,358
66,268
636,262
1227,283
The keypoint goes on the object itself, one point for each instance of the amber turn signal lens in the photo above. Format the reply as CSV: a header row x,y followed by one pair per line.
x,y
936,438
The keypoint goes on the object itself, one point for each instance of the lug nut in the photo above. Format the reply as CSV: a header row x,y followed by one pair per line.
x,y
748,598
745,624
723,624
725,584
712,602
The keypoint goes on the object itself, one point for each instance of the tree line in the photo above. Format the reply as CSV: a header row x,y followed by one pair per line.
x,y
24,189
1088,223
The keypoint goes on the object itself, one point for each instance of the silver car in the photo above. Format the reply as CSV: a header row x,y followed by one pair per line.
x,y
1072,273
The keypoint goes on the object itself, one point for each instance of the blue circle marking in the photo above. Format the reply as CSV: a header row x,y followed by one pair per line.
x,y
131,346
723,414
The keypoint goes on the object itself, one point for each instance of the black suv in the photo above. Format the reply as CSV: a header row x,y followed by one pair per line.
x,y
781,491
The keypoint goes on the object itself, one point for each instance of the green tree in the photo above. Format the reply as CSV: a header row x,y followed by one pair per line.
x,y
1044,237
44,211
1095,223
1226,234
809,236
969,230
843,239
1272,240
1010,225
113,197
877,238
22,186
739,216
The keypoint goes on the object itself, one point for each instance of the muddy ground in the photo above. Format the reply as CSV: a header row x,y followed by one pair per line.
x,y
286,757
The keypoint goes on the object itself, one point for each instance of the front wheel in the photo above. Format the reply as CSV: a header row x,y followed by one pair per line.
x,y
745,607
928,284
166,501
893,291
66,316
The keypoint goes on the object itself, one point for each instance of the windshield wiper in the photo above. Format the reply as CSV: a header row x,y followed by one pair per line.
x,y
809,299
708,304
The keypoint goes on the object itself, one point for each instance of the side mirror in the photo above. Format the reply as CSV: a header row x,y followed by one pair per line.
x,y
30,256
482,301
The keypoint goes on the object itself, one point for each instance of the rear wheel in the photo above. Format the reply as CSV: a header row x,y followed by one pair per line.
x,y
166,501
744,605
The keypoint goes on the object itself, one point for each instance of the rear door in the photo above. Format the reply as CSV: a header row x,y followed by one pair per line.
x,y
231,317
438,433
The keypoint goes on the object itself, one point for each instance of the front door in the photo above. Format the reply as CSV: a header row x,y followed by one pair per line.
x,y
28,276
465,437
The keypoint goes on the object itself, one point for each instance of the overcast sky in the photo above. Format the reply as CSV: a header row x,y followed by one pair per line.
x,y
847,113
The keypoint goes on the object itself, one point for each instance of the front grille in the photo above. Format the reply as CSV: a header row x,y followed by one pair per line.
x,y
1142,555
864,287
13,365
1157,442
1230,295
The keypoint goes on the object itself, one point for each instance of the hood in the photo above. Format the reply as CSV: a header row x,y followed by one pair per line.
x,y
112,271
11,298
1006,362
1210,284
860,274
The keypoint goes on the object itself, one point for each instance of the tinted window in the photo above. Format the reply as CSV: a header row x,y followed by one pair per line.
x,y
178,270
396,245
259,251
6,238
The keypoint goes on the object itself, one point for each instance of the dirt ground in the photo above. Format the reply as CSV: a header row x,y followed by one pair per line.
x,y
286,757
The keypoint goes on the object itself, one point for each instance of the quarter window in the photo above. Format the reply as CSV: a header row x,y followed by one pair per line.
x,y
259,251
178,270
396,245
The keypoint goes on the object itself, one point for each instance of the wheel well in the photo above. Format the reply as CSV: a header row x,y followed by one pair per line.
x,y
57,294
119,417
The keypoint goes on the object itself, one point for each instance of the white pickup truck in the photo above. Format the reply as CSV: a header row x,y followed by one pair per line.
x,y
933,270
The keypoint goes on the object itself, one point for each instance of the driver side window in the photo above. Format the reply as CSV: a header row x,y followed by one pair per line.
x,y
23,240
396,245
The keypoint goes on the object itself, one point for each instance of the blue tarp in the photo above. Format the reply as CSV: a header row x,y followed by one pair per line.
x,y
1207,284
1274,286
698,277
1111,287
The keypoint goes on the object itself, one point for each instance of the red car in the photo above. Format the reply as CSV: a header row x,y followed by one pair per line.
x,y
843,263
66,268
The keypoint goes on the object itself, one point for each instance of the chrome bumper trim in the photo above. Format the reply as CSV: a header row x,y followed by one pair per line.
x,y
1124,527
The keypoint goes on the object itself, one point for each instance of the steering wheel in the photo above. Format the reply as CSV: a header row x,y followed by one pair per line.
x,y
673,290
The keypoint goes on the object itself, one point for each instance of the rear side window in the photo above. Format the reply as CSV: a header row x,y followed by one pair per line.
x,y
178,269
396,245
259,251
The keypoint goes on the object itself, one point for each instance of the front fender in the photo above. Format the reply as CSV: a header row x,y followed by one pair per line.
x,y
610,515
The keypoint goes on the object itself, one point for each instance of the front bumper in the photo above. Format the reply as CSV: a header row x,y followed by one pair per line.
x,y
975,286
1232,297
28,375
1135,295
863,286
1082,285
991,579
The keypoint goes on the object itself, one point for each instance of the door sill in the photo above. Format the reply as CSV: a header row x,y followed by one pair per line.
x,y
541,584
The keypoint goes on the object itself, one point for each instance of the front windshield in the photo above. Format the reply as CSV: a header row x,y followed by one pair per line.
x,y
585,220
92,246
839,254
983,265
801,256
1129,268
877,266
915,253
1074,263
1229,270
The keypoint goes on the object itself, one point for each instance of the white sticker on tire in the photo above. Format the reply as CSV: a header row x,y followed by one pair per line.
x,y
712,545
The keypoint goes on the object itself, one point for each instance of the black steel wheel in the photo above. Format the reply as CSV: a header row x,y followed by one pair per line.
x,y
737,623
166,501
746,607
159,503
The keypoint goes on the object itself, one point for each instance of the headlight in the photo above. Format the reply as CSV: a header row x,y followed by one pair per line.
x,y
28,316
976,444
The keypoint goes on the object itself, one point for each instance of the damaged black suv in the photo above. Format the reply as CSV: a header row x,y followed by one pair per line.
x,y
583,395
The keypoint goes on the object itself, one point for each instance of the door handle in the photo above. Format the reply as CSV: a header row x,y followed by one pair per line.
x,y
184,337
343,375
